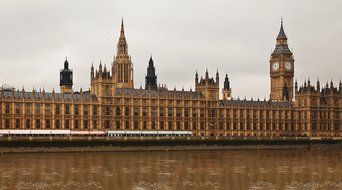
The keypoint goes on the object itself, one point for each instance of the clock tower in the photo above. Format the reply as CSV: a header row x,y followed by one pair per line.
x,y
282,69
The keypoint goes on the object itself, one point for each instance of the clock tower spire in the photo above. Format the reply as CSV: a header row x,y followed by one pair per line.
x,y
281,69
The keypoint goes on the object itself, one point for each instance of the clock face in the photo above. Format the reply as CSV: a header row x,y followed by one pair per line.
x,y
275,66
288,66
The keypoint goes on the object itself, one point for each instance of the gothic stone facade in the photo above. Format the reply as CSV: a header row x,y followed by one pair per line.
x,y
113,104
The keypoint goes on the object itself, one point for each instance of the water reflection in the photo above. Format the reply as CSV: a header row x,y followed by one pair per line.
x,y
232,169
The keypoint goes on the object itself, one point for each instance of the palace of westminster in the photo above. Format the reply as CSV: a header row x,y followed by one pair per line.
x,y
312,110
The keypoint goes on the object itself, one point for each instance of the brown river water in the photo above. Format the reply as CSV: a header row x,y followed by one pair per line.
x,y
224,169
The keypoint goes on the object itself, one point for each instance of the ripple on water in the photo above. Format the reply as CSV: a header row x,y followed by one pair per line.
x,y
30,185
151,186
48,178
239,169
71,184
204,184
94,170
6,174
331,170
145,169
314,173
214,172
26,173
303,186
74,170
108,174
263,170
126,170
190,170
92,185
296,170
164,173
262,185
332,185
55,173
282,169
168,161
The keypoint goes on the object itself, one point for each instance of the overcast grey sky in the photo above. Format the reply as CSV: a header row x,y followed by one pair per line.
x,y
235,37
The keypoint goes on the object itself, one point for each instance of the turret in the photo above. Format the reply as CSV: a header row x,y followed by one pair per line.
x,y
151,78
217,77
196,79
65,81
226,91
105,69
92,72
100,69
318,86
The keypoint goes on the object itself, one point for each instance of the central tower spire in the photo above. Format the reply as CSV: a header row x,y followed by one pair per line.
x,y
122,68
122,32
122,47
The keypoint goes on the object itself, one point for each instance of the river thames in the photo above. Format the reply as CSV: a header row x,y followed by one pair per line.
x,y
224,169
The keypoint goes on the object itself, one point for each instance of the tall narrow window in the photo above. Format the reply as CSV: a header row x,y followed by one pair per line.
x,y
57,109
27,123
76,110
17,123
57,124
37,123
67,109
17,108
47,124
7,108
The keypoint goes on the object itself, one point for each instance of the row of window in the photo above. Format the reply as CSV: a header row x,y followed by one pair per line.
x,y
154,102
108,124
38,108
162,111
28,123
316,102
